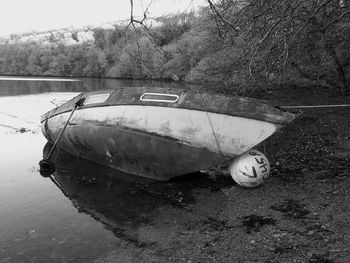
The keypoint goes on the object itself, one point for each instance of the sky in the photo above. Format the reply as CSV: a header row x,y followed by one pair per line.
x,y
17,16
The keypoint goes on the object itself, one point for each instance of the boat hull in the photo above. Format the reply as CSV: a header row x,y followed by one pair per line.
x,y
156,142
158,139
134,152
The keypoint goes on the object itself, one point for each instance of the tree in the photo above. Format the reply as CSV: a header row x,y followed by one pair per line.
x,y
96,62
275,39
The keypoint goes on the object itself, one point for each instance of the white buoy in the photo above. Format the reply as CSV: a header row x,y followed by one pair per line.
x,y
250,169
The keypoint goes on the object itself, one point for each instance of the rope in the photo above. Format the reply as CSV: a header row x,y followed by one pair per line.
x,y
315,106
78,104
211,125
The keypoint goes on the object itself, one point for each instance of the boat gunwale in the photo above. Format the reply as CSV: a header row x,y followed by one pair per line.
x,y
161,105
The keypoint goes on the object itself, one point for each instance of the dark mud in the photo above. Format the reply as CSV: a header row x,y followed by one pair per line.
x,y
292,209
255,222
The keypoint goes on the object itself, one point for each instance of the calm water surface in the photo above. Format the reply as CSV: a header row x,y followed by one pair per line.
x,y
85,211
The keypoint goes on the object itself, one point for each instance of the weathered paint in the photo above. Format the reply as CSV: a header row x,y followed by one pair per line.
x,y
157,141
136,152
190,127
162,140
215,103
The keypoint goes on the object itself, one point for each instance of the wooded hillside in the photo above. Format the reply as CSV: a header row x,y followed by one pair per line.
x,y
236,44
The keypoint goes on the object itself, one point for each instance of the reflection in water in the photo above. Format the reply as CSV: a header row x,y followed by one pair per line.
x,y
121,201
36,79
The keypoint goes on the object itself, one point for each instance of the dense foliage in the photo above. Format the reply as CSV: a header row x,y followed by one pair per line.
x,y
238,44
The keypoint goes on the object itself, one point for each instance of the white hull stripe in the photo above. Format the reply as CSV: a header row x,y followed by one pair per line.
x,y
234,135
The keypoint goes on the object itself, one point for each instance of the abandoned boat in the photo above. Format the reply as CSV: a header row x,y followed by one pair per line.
x,y
161,133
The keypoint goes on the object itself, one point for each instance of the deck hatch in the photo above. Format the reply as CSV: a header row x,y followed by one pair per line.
x,y
159,97
99,98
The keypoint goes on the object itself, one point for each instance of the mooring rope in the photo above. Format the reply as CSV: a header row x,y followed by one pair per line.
x,y
211,125
314,106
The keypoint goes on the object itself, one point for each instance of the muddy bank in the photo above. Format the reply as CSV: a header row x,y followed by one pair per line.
x,y
301,214
89,213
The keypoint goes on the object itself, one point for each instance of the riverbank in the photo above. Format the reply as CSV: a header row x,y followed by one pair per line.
x,y
301,214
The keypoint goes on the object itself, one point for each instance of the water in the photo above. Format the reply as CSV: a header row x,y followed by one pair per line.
x,y
14,86
86,212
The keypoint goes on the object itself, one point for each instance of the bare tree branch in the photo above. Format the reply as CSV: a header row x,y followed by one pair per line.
x,y
213,8
257,44
133,20
335,20
304,26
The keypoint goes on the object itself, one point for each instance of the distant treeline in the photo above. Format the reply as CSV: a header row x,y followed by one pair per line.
x,y
236,45
157,53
